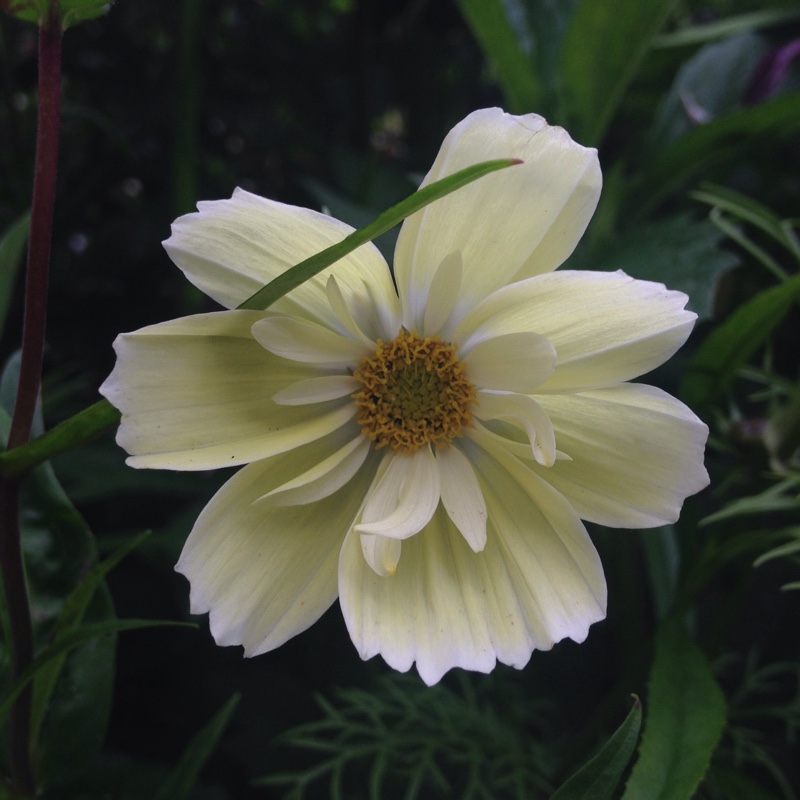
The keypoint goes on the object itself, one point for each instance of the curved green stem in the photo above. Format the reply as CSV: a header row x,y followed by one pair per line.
x,y
77,430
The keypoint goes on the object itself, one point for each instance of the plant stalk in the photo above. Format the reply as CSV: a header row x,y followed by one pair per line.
x,y
33,339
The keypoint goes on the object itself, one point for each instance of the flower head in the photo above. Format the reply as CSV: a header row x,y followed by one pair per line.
x,y
425,453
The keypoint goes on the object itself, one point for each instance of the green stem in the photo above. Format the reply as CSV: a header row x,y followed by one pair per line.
x,y
33,333
83,427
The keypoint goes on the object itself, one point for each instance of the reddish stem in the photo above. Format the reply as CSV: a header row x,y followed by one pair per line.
x,y
33,337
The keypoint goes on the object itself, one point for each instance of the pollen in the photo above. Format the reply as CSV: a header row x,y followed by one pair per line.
x,y
414,392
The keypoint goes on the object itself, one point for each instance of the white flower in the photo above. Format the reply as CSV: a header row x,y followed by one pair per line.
x,y
427,453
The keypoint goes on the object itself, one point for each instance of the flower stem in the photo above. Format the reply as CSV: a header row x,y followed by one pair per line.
x,y
33,334
78,429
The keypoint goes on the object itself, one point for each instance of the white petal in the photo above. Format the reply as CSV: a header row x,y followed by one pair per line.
x,y
324,478
442,297
195,394
300,340
344,315
462,496
381,553
513,362
606,327
316,390
231,248
637,453
526,412
506,226
265,574
537,581
404,497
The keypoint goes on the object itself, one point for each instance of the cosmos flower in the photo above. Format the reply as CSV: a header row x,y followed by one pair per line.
x,y
426,451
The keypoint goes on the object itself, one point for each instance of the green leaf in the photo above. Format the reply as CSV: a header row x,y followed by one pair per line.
x,y
683,253
70,11
70,618
603,49
598,778
732,343
28,10
75,11
180,783
723,28
77,637
12,246
749,210
710,84
502,42
721,140
301,272
685,717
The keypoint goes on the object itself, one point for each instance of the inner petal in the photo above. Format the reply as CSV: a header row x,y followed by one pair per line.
x,y
404,497
512,362
526,412
300,340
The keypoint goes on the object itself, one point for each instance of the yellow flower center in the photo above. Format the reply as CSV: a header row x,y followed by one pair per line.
x,y
415,392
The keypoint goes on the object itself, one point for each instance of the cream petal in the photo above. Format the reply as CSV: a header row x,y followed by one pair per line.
x,y
537,541
509,225
442,296
265,574
344,315
404,497
316,390
538,580
527,413
324,478
381,553
637,453
606,327
462,497
301,340
195,394
231,248
513,362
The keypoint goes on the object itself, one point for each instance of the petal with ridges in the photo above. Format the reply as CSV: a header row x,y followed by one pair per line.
x,y
381,553
324,478
509,225
316,390
636,452
537,581
605,326
403,499
300,340
513,362
526,412
462,497
344,314
195,394
265,574
231,248
442,296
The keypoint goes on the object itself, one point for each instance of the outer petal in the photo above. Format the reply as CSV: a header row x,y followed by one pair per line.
x,y
538,580
636,452
606,327
230,248
195,393
265,573
509,225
